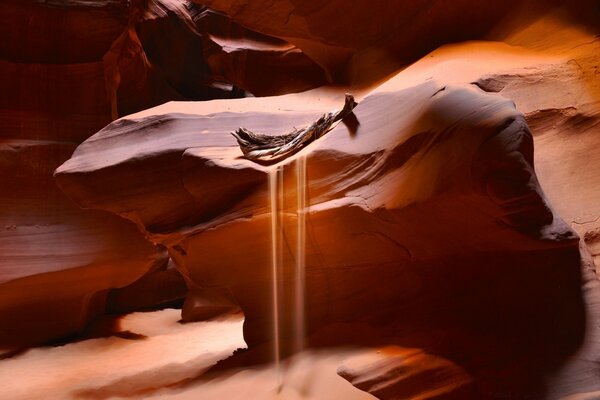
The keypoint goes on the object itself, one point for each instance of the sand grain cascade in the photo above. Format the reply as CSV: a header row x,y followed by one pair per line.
x,y
276,200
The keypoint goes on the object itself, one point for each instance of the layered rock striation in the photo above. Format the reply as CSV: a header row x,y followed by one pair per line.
x,y
424,215
57,262
68,69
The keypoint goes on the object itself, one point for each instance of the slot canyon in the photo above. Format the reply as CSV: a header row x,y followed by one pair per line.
x,y
318,199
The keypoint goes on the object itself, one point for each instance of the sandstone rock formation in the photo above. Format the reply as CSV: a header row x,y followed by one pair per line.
x,y
178,50
397,373
147,352
359,40
68,68
426,220
160,287
565,127
426,207
57,261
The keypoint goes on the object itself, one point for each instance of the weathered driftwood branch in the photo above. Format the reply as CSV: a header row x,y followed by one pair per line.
x,y
266,148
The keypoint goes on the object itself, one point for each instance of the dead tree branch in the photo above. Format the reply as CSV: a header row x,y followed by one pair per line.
x,y
270,149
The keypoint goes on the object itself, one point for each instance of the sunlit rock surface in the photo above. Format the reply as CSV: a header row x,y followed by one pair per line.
x,y
347,39
487,277
565,126
455,146
135,356
425,206
357,41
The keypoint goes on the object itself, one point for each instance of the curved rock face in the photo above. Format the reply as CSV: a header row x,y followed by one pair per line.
x,y
57,262
424,214
53,91
348,39
565,126
176,50
397,373
69,68
123,57
425,217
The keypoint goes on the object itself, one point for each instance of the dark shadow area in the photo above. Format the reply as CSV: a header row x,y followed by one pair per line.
x,y
13,353
157,290
351,123
508,319
586,12
104,326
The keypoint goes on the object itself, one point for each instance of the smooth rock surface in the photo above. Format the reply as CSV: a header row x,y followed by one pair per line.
x,y
57,262
442,243
360,41
139,355
426,206
397,373
69,68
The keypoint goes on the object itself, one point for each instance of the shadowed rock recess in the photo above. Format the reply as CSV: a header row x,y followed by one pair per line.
x,y
426,216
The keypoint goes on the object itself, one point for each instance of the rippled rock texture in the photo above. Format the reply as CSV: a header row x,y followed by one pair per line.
x,y
426,220
397,373
425,214
57,262
69,68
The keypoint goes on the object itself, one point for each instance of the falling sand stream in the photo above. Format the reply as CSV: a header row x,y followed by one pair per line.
x,y
274,187
276,195
299,314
